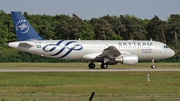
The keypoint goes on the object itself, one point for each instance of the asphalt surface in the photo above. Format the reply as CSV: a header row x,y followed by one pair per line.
x,y
84,69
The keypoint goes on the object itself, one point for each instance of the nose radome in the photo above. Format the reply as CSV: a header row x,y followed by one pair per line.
x,y
172,52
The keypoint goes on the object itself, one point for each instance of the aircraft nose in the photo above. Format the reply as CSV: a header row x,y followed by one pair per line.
x,y
172,52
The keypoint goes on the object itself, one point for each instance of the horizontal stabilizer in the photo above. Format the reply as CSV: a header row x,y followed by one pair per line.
x,y
25,45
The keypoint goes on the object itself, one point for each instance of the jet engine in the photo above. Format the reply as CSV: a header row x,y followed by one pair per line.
x,y
127,59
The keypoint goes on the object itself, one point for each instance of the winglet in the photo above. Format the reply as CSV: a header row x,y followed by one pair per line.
x,y
24,30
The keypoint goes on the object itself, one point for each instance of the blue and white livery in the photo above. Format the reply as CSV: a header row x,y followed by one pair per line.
x,y
108,52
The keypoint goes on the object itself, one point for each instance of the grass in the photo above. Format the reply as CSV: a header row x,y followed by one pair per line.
x,y
77,86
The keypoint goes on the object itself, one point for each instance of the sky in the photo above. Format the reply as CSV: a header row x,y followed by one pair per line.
x,y
87,9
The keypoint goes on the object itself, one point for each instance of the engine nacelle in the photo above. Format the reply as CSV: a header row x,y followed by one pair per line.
x,y
127,59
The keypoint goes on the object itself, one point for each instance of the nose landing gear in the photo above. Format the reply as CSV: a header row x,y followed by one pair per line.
x,y
152,65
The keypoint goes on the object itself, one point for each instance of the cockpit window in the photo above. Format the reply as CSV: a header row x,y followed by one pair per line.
x,y
166,47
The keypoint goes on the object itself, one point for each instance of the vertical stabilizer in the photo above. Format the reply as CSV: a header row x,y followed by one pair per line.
x,y
24,30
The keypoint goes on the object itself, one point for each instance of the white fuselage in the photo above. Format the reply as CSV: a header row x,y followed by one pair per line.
x,y
77,49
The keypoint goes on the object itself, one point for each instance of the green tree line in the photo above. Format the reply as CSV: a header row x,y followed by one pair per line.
x,y
122,27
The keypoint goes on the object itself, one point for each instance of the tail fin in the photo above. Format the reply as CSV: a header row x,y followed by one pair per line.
x,y
24,30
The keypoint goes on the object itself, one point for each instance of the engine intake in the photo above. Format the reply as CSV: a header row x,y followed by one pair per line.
x,y
127,59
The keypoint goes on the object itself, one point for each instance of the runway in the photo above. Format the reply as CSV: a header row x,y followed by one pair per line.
x,y
85,69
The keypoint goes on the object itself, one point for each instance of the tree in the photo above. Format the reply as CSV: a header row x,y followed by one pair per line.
x,y
156,29
103,29
135,31
4,23
173,30
86,31
75,25
48,27
116,25
62,29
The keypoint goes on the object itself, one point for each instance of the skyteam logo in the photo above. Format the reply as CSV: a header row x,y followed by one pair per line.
x,y
22,26
62,48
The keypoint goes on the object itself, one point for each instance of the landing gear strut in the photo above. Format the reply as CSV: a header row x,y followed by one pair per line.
x,y
152,65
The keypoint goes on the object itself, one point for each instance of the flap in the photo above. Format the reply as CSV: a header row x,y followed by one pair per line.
x,y
91,56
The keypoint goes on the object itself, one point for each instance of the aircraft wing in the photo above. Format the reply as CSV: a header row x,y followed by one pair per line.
x,y
111,52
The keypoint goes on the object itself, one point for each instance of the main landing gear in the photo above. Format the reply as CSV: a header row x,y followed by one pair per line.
x,y
104,66
152,65
92,65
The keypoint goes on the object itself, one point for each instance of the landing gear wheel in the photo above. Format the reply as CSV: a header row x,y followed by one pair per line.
x,y
104,66
153,66
91,66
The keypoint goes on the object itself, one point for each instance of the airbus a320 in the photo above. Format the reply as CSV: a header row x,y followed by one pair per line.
x,y
107,52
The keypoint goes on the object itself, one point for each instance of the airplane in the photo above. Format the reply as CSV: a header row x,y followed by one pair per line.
x,y
107,52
